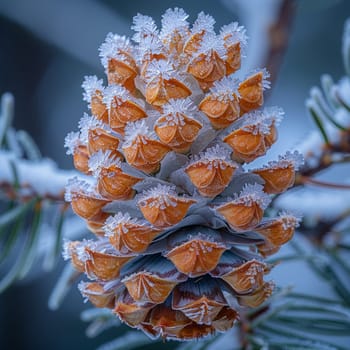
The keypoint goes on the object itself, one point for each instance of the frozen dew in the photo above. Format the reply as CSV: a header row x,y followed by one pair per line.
x,y
115,46
162,196
234,34
77,186
203,23
295,159
72,141
91,84
225,89
101,160
253,194
138,131
260,122
174,20
143,26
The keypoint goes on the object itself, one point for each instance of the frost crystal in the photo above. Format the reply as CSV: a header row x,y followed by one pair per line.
x,y
115,94
203,23
296,159
91,84
174,111
174,20
225,89
133,130
78,186
143,26
114,46
211,42
215,157
102,159
149,46
161,195
160,69
253,194
122,219
260,122
72,141
266,75
87,123
234,33
216,152
290,219
180,106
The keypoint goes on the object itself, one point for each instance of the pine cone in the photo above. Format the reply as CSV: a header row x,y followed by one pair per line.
x,y
178,219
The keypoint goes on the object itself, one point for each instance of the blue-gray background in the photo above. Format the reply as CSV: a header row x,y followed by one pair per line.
x,y
47,46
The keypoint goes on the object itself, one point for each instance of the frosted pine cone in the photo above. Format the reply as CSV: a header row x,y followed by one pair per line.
x,y
180,233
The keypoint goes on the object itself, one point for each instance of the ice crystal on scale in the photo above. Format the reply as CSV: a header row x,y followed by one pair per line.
x,y
178,223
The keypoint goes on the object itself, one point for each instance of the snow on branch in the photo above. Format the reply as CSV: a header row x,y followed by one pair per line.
x,y
42,178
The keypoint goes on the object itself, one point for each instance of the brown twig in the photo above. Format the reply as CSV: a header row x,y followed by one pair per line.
x,y
310,181
25,193
279,37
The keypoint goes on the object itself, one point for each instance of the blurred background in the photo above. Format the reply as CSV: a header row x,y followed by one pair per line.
x,y
46,48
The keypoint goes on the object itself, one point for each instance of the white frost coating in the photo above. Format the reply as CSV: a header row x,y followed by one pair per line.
x,y
69,249
174,20
225,89
203,23
180,106
174,111
234,33
211,42
143,26
150,45
101,245
315,203
41,178
135,129
290,219
77,185
114,95
101,160
162,196
114,47
266,84
71,142
260,122
83,288
295,159
160,69
200,236
87,123
91,84
122,219
252,194
214,153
